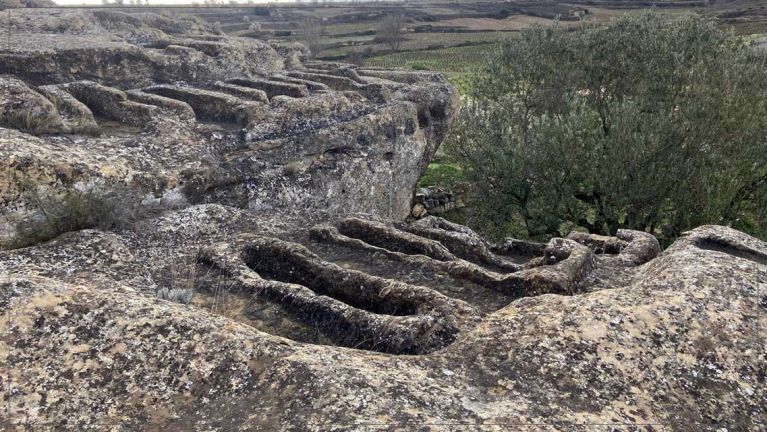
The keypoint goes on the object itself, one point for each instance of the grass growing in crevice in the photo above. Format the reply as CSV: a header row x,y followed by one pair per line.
x,y
177,282
56,214
95,205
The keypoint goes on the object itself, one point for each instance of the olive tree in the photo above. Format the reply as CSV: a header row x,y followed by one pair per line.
x,y
643,124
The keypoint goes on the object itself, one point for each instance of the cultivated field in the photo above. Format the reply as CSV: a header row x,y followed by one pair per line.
x,y
453,59
449,37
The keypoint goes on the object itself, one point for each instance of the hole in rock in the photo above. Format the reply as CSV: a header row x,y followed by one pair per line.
x,y
319,321
734,250
485,299
437,111
338,152
216,295
424,118
353,288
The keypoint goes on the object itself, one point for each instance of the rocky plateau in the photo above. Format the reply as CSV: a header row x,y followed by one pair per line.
x,y
256,264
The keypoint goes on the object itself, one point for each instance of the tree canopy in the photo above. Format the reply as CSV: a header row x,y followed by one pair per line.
x,y
645,124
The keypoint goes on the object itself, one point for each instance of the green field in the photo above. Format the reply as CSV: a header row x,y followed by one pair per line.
x,y
338,47
450,37
454,59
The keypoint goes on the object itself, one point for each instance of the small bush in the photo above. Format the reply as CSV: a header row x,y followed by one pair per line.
x,y
56,214
178,280
312,31
32,123
356,57
391,31
461,81
91,205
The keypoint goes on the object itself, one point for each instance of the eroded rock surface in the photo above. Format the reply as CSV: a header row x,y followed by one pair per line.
x,y
308,329
265,277
130,100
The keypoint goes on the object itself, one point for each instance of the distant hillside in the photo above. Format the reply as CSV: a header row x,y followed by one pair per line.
x,y
644,3
13,4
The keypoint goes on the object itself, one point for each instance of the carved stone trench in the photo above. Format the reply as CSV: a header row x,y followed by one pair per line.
x,y
388,287
398,288
293,139
238,102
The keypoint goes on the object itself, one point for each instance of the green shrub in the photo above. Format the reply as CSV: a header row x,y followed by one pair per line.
x,y
645,124
460,80
451,59
420,66
292,169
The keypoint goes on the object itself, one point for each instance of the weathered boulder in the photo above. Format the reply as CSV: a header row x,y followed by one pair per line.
x,y
75,115
11,4
157,105
126,50
45,59
24,109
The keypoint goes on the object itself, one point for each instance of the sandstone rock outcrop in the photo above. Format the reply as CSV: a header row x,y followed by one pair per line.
x,y
24,108
257,272
219,120
311,330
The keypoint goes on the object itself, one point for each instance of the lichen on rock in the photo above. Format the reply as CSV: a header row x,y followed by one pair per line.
x,y
262,273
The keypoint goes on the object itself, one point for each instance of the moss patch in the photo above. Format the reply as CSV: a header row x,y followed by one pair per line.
x,y
441,174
